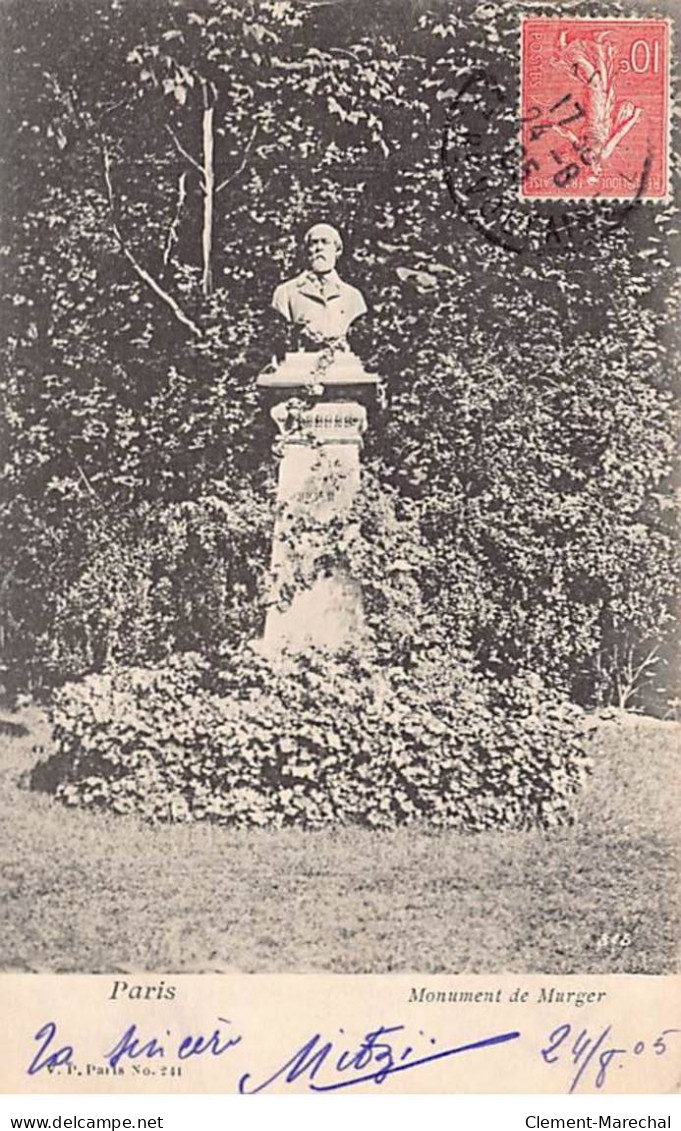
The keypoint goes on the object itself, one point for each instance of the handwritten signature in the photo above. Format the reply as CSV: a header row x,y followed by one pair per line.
x,y
375,1060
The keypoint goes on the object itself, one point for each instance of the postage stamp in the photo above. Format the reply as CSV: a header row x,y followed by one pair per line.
x,y
594,108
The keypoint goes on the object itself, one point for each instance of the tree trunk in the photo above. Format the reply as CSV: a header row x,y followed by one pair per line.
x,y
208,195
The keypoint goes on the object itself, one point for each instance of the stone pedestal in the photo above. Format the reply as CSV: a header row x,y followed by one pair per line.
x,y
313,601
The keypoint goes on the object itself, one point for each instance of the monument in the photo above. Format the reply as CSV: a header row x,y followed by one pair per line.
x,y
319,394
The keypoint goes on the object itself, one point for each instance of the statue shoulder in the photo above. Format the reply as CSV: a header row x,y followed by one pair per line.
x,y
282,295
291,284
355,298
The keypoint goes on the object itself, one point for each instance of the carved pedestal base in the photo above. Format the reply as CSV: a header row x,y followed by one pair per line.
x,y
313,601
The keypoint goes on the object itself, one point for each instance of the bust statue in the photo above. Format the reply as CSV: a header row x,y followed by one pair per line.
x,y
320,309
317,303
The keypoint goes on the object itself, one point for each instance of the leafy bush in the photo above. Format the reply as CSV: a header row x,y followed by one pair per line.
x,y
544,509
132,585
316,740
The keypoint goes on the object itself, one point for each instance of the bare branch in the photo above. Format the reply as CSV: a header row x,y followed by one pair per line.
x,y
172,237
629,676
242,165
648,661
181,149
113,107
162,294
87,482
136,266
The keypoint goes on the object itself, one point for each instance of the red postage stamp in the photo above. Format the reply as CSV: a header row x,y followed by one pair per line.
x,y
594,108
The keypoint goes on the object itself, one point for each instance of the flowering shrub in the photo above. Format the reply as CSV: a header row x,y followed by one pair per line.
x,y
316,740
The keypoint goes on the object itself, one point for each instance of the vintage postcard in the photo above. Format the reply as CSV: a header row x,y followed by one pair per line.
x,y
340,705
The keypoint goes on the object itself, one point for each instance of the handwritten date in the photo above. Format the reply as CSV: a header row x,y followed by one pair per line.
x,y
595,1055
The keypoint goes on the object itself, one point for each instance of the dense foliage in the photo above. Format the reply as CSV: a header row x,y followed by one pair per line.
x,y
525,446
323,739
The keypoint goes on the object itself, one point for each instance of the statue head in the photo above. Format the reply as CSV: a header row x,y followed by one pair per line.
x,y
323,245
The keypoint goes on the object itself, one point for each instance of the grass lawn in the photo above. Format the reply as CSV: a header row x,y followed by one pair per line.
x,y
92,893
